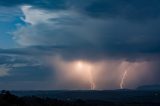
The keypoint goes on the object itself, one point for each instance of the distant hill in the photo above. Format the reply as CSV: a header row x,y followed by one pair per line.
x,y
149,87
81,98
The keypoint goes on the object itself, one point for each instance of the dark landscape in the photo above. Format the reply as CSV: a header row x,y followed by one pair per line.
x,y
139,97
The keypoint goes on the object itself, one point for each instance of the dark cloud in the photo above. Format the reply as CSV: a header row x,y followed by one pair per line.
x,y
128,9
22,66
143,9
28,73
124,43
128,26
115,38
112,27
38,3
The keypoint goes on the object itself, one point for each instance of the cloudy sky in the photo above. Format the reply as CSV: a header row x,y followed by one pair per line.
x,y
42,41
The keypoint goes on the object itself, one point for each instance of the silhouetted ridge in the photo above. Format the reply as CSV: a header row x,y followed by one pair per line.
x,y
149,87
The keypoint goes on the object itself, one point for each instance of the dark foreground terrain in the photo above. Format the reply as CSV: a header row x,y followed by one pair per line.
x,y
80,98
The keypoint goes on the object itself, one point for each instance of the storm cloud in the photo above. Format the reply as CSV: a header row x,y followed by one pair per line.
x,y
90,30
110,31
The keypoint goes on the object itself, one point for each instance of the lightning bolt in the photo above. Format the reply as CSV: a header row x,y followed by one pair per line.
x,y
92,83
91,80
123,79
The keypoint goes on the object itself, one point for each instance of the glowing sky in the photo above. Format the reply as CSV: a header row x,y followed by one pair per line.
x,y
79,44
